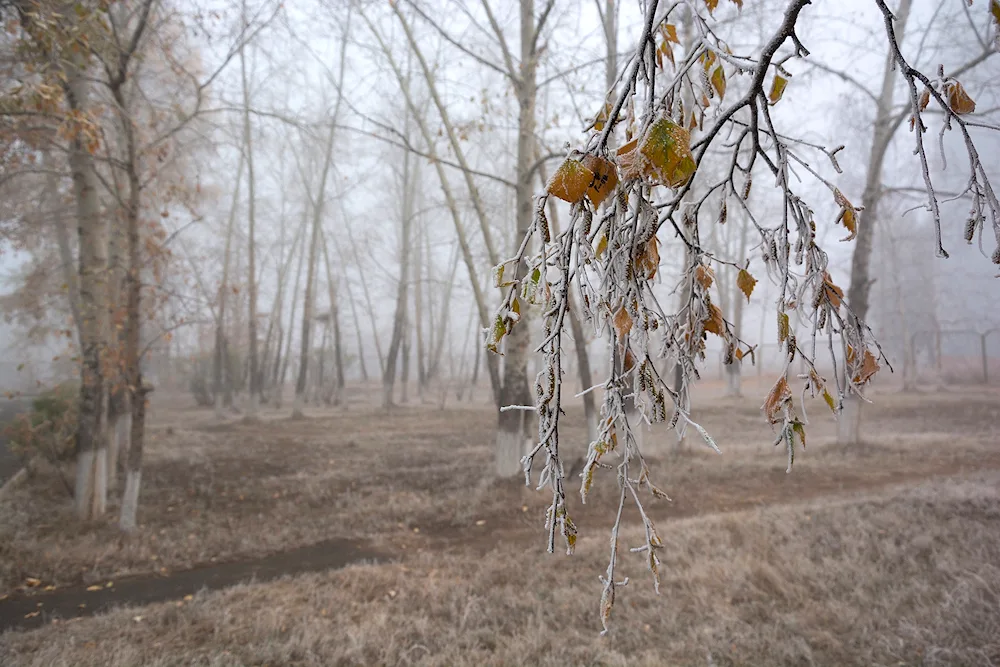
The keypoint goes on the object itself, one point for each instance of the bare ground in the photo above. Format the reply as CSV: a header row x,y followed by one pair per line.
x,y
472,586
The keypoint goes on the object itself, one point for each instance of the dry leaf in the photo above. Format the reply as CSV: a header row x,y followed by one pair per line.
x,y
780,393
745,282
714,322
602,118
647,261
630,159
869,367
704,275
604,180
925,97
777,88
848,214
711,4
783,327
958,99
623,322
571,181
831,291
95,587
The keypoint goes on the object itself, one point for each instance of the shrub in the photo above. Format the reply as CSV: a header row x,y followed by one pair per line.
x,y
49,429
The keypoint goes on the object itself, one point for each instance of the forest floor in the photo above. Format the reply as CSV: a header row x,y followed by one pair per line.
x,y
888,553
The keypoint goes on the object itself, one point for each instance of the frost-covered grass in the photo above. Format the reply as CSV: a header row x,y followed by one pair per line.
x,y
910,577
217,493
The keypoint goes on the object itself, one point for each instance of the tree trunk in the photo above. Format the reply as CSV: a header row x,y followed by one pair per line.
x,y
849,421
221,362
254,379
91,442
512,426
399,319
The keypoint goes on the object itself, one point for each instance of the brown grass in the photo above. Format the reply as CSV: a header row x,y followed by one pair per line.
x,y
222,492
905,578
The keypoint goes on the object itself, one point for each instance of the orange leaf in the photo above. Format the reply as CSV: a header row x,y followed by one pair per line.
x,y
714,322
869,367
711,4
958,99
604,180
745,282
571,181
780,394
832,292
704,275
630,159
623,322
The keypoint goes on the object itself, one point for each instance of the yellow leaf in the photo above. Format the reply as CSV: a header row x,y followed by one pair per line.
x,y
31,582
777,88
780,393
719,81
745,282
958,99
829,401
570,182
669,32
667,147
602,117
94,588
602,246
623,322
604,180
783,327
711,4
799,428
848,214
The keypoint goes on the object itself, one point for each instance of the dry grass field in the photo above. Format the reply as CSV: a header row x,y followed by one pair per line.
x,y
886,554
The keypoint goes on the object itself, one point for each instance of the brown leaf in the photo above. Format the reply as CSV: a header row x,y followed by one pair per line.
x,y
630,159
604,180
925,98
704,275
647,261
958,99
831,291
623,322
714,322
711,4
571,181
995,11
745,282
869,367
780,393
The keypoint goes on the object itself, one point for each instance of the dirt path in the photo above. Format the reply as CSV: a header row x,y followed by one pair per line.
x,y
32,610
